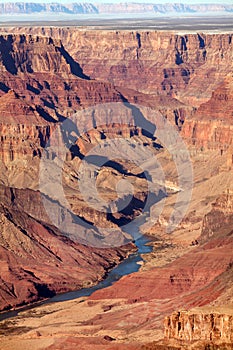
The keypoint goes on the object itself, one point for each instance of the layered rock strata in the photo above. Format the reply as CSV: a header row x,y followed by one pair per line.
x,y
210,126
200,326
220,218
37,260
188,67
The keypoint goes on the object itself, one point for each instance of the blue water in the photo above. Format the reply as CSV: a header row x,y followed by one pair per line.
x,y
126,267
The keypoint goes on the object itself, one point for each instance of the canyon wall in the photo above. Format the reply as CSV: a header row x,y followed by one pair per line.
x,y
220,218
188,67
187,78
40,86
212,324
211,125
37,260
200,326
43,73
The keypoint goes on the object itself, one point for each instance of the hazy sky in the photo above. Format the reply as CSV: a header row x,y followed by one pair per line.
x,y
142,1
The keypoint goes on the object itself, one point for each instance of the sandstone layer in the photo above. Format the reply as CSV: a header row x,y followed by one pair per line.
x,y
210,125
188,66
196,326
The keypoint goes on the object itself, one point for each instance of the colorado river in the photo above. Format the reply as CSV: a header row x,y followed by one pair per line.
x,y
127,266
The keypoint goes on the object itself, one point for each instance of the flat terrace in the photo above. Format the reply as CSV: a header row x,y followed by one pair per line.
x,y
218,24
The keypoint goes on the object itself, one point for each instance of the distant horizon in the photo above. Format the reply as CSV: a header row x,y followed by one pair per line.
x,y
188,2
68,10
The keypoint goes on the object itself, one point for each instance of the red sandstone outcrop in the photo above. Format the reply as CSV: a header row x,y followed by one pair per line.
x,y
200,277
169,67
43,73
211,126
220,218
160,63
194,270
40,86
198,325
23,131
14,110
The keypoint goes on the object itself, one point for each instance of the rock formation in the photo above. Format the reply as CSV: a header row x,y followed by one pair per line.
x,y
37,76
190,274
189,67
38,261
210,126
200,326
41,85
220,218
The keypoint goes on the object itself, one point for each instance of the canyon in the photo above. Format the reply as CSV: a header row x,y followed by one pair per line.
x,y
112,85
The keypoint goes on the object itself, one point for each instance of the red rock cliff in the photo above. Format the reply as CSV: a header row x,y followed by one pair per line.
x,y
188,66
200,326
211,125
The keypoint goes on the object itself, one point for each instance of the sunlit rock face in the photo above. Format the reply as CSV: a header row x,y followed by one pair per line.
x,y
210,126
200,326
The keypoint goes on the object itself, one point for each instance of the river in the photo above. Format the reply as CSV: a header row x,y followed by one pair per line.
x,y
127,266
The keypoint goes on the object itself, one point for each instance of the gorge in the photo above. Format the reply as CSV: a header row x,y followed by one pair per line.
x,y
114,85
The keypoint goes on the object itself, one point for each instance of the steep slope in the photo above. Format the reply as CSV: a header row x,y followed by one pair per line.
x,y
211,125
40,85
38,261
41,71
197,326
131,312
210,324
187,274
189,67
